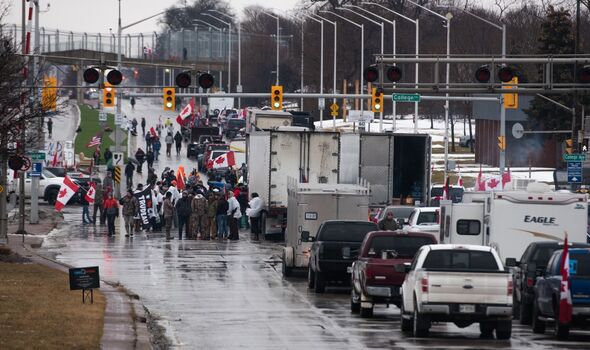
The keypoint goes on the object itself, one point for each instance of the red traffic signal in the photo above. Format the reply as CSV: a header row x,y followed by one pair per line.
x,y
371,74
505,74
91,75
482,74
584,75
183,80
394,74
114,77
206,80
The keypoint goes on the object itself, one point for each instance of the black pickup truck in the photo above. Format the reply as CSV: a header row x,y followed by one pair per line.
x,y
334,249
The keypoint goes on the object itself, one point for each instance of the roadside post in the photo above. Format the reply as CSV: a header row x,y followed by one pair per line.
x,y
37,167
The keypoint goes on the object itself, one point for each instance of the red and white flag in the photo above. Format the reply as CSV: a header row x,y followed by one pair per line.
x,y
66,191
565,295
91,193
506,178
186,113
460,179
493,183
481,184
446,189
95,141
223,161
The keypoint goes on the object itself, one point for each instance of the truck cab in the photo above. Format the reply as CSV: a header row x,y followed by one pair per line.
x,y
424,220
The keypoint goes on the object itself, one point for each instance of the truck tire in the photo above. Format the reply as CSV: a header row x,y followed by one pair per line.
x,y
486,330
51,195
538,324
406,324
310,278
319,282
366,312
421,324
526,311
355,305
504,329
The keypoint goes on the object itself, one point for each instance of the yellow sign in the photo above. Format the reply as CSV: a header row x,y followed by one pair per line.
x,y
334,108
49,94
1,189
117,174
511,100
502,143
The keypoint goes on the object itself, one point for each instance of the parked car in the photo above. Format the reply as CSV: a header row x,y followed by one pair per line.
x,y
425,219
463,284
548,289
334,248
531,265
374,279
233,127
466,141
401,213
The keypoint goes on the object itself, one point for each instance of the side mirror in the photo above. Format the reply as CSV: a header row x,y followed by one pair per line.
x,y
305,237
510,262
402,268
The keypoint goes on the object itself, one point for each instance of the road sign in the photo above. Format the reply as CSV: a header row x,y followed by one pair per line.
x,y
517,130
117,174
118,119
36,169
321,103
102,116
574,172
117,158
405,97
334,109
238,88
36,155
574,157
1,189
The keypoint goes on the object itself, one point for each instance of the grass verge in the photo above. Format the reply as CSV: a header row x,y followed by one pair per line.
x,y
38,311
90,126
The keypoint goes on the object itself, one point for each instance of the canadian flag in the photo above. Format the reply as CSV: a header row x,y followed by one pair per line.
x,y
565,295
223,161
186,112
460,179
481,185
91,193
506,178
66,191
492,184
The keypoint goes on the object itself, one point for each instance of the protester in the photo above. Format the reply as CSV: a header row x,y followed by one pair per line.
x,y
140,157
233,215
388,223
156,146
199,217
108,183
152,177
183,212
85,212
178,141
96,156
108,154
242,198
211,215
148,141
169,141
254,212
168,214
49,126
98,205
142,125
130,209
111,208
221,217
129,168
138,221
149,157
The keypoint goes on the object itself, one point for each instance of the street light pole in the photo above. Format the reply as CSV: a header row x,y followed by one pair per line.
x,y
229,50
278,32
335,60
321,63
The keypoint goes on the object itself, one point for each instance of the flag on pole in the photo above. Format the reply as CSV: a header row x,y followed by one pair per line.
x,y
446,189
180,178
506,178
481,185
66,191
91,193
95,140
185,113
460,179
565,296
223,161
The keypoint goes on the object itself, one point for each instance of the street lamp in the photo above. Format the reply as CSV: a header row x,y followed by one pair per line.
x,y
335,60
278,33
362,28
229,50
417,49
220,48
321,62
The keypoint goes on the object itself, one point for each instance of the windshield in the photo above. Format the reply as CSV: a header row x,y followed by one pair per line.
x,y
460,260
455,193
346,231
405,246
427,217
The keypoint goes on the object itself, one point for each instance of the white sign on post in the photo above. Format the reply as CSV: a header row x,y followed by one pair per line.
x,y
360,116
118,119
321,103
117,158
102,116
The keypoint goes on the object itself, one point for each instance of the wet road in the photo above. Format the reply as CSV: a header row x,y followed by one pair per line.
x,y
227,295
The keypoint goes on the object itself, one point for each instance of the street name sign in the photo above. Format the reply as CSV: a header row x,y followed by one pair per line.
x,y
405,97
574,157
36,155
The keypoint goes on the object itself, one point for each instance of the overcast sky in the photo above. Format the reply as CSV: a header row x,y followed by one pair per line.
x,y
100,15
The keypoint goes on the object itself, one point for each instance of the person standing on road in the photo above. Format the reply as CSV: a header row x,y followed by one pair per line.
x,y
142,125
140,156
221,217
199,218
242,198
98,205
130,209
49,126
168,214
388,223
169,141
129,169
132,101
149,157
233,215
148,141
85,212
108,184
156,146
111,208
178,141
183,212
254,212
107,154
211,214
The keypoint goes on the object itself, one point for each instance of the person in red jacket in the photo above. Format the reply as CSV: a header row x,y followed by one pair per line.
x,y
111,206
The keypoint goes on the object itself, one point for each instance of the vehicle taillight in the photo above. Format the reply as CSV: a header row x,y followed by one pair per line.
x,y
530,282
424,283
510,288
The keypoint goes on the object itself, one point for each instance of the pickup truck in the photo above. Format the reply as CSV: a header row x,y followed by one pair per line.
x,y
374,278
463,284
548,288
334,248
426,219
531,265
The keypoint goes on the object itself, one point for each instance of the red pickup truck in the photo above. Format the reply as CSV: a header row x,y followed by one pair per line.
x,y
374,279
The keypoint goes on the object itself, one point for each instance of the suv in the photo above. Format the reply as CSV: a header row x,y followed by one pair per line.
x,y
233,127
531,265
334,248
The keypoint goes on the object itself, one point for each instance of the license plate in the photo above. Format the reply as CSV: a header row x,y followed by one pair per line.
x,y
466,308
349,269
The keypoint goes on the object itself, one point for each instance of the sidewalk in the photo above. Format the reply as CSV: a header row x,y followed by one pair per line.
x,y
125,324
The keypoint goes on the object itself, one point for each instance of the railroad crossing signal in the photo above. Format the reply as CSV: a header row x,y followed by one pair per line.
x,y
377,100
169,99
108,95
117,174
276,97
502,143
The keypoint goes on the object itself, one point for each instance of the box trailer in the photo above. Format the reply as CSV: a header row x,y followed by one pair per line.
x,y
397,166
510,220
310,204
275,155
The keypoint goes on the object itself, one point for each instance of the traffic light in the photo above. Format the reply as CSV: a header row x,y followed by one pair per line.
x,y
394,74
169,99
114,77
511,100
206,81
371,74
377,100
276,97
505,74
91,75
584,75
502,143
482,74
108,95
569,146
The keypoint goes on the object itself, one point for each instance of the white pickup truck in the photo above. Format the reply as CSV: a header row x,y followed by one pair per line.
x,y
424,219
463,284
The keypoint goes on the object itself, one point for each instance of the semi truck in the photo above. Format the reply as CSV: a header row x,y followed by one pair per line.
x,y
288,152
396,165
